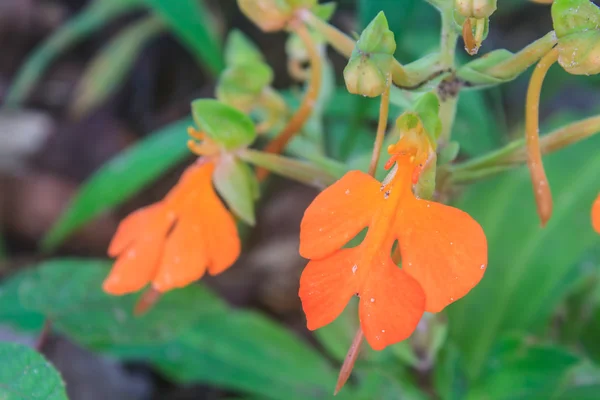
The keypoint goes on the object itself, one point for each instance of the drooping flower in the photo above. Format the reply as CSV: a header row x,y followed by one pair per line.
x,y
175,241
596,214
444,250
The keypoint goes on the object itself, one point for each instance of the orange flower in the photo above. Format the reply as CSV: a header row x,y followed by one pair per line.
x,y
596,214
173,242
444,251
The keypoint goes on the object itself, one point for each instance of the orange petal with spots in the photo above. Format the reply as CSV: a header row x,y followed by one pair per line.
x,y
596,214
338,214
132,226
391,304
327,285
137,263
443,248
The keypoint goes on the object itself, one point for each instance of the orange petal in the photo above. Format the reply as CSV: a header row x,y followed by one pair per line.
x,y
596,214
184,260
338,214
216,232
138,263
327,285
132,227
443,248
391,304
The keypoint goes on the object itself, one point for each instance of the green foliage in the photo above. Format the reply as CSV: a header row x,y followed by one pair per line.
x,y
190,22
90,20
237,185
228,127
120,179
95,319
25,374
536,266
110,66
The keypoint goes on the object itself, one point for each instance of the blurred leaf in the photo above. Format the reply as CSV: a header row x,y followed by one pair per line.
x,y
12,311
530,269
108,69
191,22
449,379
476,129
25,374
121,178
237,185
584,392
243,351
81,310
517,370
290,168
227,126
78,28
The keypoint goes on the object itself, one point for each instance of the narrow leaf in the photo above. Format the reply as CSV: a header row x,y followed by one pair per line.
x,y
90,20
120,179
190,21
109,68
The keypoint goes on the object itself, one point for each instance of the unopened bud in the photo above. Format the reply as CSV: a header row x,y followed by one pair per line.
x,y
475,8
577,27
369,68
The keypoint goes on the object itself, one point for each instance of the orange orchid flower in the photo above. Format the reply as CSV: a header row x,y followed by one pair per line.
x,y
444,250
596,214
175,241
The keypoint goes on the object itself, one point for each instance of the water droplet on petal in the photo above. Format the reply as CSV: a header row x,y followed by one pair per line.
x,y
347,191
482,266
372,300
354,268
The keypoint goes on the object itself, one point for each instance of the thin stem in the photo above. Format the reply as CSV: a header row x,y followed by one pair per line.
x,y
148,299
449,37
303,113
541,189
43,337
384,109
349,361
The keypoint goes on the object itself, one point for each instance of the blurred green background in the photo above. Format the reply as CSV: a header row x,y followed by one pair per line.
x,y
95,101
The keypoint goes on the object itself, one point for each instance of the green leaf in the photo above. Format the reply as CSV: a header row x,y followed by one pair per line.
x,y
237,185
520,371
81,310
106,72
191,23
121,178
225,125
239,49
90,20
242,351
428,107
12,311
574,16
474,71
242,85
583,392
530,269
289,168
25,374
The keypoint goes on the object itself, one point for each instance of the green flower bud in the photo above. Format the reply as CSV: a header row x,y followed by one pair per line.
x,y
369,68
226,126
577,26
241,85
475,8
